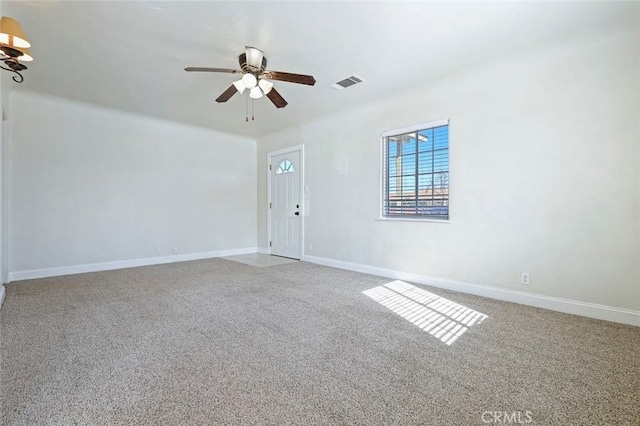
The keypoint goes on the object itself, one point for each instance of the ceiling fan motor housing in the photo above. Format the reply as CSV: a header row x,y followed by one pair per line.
x,y
245,67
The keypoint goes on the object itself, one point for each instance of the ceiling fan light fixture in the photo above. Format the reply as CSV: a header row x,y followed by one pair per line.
x,y
249,80
265,85
255,93
240,86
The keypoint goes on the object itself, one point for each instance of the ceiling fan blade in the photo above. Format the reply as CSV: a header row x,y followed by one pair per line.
x,y
207,69
277,100
289,77
227,94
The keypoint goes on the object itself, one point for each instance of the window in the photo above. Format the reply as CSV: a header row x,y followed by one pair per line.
x,y
285,166
416,171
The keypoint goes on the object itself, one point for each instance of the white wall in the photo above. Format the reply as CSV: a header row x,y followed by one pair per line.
x,y
545,152
90,185
3,195
4,200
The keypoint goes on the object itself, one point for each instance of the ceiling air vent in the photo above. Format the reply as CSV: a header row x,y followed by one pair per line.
x,y
347,82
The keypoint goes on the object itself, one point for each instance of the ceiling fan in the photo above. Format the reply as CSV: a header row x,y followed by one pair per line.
x,y
255,78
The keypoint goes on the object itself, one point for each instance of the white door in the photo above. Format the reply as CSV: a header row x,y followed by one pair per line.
x,y
286,212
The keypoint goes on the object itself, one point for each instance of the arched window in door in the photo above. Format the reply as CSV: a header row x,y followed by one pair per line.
x,y
285,166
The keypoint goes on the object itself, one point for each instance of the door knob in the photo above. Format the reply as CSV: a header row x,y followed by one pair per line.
x,y
297,213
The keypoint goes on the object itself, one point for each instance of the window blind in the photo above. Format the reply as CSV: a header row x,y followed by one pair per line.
x,y
416,172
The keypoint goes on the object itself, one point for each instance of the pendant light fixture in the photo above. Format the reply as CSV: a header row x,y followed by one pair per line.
x,y
14,48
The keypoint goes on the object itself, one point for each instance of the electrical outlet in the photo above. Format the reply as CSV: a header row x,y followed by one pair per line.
x,y
525,278
157,248
175,250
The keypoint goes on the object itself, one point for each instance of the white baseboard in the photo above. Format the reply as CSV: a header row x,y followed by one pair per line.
x,y
121,264
2,291
591,310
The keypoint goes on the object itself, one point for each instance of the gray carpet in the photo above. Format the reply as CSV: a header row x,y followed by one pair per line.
x,y
219,342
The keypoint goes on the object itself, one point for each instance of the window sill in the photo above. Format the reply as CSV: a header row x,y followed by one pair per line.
x,y
411,219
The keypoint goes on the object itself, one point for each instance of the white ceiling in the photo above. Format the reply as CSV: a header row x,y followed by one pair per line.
x,y
131,55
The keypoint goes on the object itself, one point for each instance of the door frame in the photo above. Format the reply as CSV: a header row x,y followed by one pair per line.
x,y
270,155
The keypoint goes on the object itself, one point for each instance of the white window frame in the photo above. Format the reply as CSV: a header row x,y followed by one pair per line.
x,y
399,131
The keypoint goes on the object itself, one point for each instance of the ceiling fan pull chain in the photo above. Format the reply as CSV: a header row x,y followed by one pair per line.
x,y
247,109
253,109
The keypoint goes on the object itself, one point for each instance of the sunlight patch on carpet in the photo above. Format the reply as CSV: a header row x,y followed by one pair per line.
x,y
440,317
